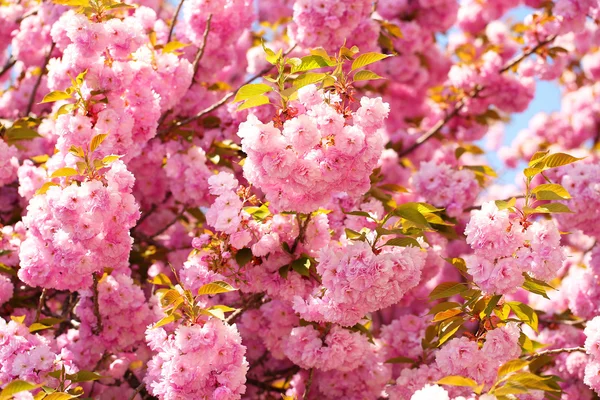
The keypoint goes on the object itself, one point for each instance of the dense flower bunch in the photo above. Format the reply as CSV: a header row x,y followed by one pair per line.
x,y
79,230
199,361
315,154
299,199
504,249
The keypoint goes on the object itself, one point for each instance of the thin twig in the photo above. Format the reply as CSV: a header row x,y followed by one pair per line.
x,y
39,80
38,312
523,56
135,383
174,20
137,390
434,130
173,221
98,327
556,351
301,232
27,15
7,66
253,301
223,100
202,47
308,383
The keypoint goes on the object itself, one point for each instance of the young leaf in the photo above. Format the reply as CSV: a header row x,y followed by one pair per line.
x,y
456,380
160,279
524,313
55,96
400,360
536,286
551,191
552,208
251,90
173,46
255,101
243,256
366,75
447,289
558,160
308,79
84,376
107,160
453,325
443,315
97,141
15,387
64,172
402,242
309,63
301,266
166,320
512,366
368,58
216,287
15,134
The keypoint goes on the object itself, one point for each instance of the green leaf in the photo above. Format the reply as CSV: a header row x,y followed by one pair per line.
x,y
492,303
457,380
80,78
272,57
400,360
559,159
537,157
243,256
368,58
173,46
161,279
302,266
536,286
512,366
15,387
55,96
251,90
366,75
452,326
36,326
392,187
255,101
552,208
350,234
459,264
503,205
64,172
446,305
551,191
443,315
216,287
84,376
412,215
15,134
524,313
447,289
107,160
309,63
308,79
535,382
97,141
403,242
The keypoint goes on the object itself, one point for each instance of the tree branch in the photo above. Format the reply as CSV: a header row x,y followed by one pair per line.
x,y
7,66
98,327
556,351
264,386
200,53
172,29
308,384
459,106
39,80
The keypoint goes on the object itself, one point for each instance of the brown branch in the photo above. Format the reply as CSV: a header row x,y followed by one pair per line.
x,y
7,66
301,232
39,80
556,351
200,53
98,327
38,311
252,302
223,100
308,383
174,20
135,384
523,56
459,106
